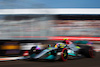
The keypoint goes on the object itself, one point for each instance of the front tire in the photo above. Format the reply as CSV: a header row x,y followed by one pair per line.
x,y
64,55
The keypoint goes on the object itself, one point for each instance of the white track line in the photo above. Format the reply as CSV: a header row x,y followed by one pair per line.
x,y
11,58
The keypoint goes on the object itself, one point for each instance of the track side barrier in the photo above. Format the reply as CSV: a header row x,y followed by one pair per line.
x,y
61,37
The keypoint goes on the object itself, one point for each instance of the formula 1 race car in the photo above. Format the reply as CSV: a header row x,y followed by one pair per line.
x,y
61,51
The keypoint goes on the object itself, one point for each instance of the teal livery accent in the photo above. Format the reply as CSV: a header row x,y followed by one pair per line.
x,y
49,53
32,55
55,51
50,57
72,54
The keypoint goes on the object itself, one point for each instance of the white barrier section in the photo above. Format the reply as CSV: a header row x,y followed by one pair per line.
x,y
52,11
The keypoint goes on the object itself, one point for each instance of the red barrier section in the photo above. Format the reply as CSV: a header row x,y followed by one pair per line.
x,y
61,37
74,38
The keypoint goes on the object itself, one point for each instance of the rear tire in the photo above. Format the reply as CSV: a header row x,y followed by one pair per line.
x,y
89,52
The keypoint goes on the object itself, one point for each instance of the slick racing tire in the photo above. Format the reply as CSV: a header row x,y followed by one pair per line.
x,y
64,54
89,52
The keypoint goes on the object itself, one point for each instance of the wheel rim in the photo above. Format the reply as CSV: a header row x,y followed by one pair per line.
x,y
64,55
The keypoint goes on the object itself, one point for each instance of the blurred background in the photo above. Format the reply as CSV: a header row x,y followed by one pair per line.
x,y
19,32
27,26
24,23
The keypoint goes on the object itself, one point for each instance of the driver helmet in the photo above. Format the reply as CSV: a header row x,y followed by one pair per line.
x,y
65,39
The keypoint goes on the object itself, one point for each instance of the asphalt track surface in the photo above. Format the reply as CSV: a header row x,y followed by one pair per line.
x,y
83,62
